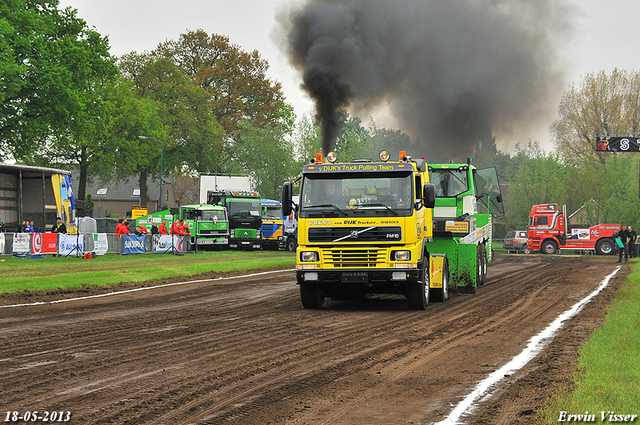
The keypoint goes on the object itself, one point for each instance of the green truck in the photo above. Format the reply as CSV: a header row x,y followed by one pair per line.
x,y
467,200
208,224
245,216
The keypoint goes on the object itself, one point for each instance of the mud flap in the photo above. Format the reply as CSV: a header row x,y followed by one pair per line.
x,y
437,269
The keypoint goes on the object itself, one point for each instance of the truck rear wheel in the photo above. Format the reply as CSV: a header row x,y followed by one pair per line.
x,y
418,294
604,247
549,247
481,264
311,296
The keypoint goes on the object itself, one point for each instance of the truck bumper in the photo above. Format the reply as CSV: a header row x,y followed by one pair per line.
x,y
248,244
391,281
212,241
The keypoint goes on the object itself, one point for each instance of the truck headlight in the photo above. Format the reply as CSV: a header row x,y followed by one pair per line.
x,y
309,256
400,255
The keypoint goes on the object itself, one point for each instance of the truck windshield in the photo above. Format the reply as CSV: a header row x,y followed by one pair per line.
x,y
244,208
449,182
357,194
213,216
272,211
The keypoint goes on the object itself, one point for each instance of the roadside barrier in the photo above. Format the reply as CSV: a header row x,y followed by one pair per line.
x,y
38,245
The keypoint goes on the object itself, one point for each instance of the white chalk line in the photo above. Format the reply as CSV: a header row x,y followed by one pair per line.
x,y
534,347
143,289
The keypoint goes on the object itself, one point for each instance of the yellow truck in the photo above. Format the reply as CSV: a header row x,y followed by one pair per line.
x,y
364,227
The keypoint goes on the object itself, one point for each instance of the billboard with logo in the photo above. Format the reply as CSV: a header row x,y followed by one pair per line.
x,y
44,243
134,244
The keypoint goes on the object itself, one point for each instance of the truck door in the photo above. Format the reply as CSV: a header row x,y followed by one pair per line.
x,y
487,187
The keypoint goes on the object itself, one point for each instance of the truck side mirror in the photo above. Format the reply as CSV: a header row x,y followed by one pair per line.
x,y
429,195
287,198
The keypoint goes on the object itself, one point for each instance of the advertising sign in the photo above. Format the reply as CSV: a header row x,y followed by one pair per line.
x,y
100,244
618,144
21,244
70,244
134,244
166,244
44,243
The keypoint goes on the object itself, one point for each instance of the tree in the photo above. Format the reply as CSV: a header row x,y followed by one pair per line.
x,y
267,155
190,135
603,104
235,80
53,69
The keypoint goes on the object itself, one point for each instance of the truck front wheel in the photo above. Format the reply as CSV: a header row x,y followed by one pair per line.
x,y
311,296
549,247
291,244
418,294
604,247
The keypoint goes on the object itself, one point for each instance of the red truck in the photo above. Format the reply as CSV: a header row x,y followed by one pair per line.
x,y
548,233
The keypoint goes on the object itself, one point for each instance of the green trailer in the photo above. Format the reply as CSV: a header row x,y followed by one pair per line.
x,y
467,200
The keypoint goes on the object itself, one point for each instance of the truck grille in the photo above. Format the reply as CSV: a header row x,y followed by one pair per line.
x,y
355,234
340,258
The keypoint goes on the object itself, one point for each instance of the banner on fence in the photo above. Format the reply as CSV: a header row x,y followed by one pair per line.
x,y
44,243
70,245
167,244
133,244
1,243
21,244
100,244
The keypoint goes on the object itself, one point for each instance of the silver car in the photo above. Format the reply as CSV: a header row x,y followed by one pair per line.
x,y
516,241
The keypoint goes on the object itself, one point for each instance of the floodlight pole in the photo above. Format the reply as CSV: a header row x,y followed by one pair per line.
x,y
161,160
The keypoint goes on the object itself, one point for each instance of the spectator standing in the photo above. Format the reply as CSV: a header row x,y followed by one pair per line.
x,y
125,227
1,225
624,237
23,227
119,228
59,227
31,227
632,242
176,229
154,229
163,228
185,228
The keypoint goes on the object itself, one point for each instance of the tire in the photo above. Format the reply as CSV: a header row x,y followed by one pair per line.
x,y
481,264
442,294
311,296
418,294
291,244
483,255
549,247
604,247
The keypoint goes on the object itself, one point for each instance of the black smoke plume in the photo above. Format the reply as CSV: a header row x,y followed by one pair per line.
x,y
450,72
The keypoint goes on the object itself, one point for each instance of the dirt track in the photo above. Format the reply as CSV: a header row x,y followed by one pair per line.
x,y
244,351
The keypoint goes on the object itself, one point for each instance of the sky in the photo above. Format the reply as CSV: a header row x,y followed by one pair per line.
x,y
603,38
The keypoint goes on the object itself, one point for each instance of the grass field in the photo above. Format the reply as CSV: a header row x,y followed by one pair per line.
x,y
18,274
607,378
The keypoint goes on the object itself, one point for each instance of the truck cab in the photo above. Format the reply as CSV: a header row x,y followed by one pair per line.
x,y
245,216
272,224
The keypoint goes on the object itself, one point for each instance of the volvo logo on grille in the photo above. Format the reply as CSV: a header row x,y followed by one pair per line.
x,y
354,234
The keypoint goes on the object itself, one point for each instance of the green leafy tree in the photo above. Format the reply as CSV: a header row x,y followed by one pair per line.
x,y
234,80
53,70
190,135
267,155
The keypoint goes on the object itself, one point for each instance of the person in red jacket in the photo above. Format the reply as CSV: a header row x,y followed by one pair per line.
x,y
119,228
163,228
124,230
177,229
